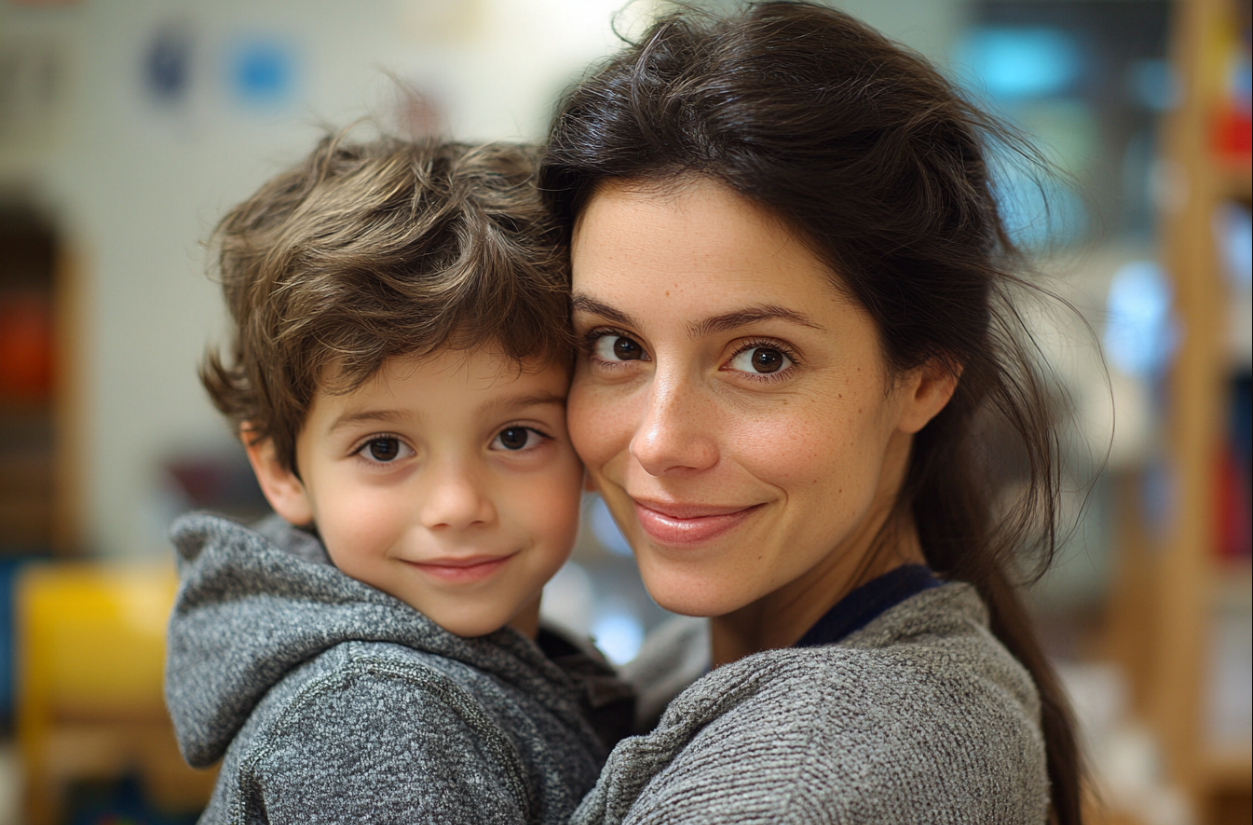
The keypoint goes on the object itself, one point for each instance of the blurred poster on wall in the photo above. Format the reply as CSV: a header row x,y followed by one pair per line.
x,y
32,75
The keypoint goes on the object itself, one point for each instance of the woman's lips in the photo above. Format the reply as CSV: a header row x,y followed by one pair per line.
x,y
462,570
687,525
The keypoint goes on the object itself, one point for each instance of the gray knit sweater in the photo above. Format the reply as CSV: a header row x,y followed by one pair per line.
x,y
919,717
330,701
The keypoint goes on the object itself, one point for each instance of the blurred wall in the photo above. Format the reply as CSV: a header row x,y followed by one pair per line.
x,y
144,119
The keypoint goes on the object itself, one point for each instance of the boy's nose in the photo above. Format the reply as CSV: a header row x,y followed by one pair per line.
x,y
455,499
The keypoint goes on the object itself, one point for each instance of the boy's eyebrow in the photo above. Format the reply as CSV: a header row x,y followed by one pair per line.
x,y
397,416
706,326
538,399
368,415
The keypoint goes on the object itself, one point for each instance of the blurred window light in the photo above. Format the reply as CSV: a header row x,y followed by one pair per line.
x,y
1014,62
570,599
1140,334
1040,210
606,530
619,634
1153,84
1233,227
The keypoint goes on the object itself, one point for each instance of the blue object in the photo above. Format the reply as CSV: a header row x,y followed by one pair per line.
x,y
263,71
167,66
1016,62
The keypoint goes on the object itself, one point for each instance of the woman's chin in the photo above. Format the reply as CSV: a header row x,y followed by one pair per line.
x,y
692,593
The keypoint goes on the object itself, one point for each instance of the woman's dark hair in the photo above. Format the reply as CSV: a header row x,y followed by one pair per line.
x,y
884,169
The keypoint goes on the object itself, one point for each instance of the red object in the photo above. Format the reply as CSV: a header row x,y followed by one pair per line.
x,y
1233,133
26,359
1232,497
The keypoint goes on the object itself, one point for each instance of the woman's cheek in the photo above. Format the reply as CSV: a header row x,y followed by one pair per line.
x,y
599,423
784,449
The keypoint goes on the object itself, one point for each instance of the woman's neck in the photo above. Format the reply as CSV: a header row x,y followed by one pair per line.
x,y
781,618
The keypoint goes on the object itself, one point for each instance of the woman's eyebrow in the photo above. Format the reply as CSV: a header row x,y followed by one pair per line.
x,y
750,315
706,326
582,303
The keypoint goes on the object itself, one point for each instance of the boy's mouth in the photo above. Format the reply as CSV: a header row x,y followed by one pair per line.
x,y
461,569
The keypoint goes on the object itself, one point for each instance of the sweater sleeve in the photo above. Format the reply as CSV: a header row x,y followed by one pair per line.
x,y
383,745
901,742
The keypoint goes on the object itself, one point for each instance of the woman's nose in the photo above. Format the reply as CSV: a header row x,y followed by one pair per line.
x,y
676,432
454,498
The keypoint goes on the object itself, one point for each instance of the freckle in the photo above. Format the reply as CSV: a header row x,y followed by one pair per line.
x,y
667,293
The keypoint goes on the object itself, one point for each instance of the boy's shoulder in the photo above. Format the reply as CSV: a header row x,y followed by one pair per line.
x,y
367,727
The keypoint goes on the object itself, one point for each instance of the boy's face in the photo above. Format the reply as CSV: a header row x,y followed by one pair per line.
x,y
448,482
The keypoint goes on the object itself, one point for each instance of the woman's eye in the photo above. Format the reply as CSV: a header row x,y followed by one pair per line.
x,y
516,438
384,449
760,361
618,348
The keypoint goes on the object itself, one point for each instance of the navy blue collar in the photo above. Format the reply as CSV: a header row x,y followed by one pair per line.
x,y
860,607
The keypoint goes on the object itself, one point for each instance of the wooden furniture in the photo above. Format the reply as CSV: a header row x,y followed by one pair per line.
x,y
41,389
91,652
1172,581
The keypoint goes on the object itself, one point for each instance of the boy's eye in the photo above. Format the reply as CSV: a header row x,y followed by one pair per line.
x,y
515,438
383,449
618,348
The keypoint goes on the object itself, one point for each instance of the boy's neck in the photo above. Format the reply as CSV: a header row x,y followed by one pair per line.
x,y
527,620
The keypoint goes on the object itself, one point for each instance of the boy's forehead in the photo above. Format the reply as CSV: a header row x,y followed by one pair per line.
x,y
484,362
485,369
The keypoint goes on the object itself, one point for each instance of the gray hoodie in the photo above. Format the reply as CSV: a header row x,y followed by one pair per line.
x,y
331,701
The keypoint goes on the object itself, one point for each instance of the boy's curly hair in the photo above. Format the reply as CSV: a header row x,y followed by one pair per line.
x,y
366,251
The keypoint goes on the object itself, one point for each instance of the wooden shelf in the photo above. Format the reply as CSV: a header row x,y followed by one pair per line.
x,y
1235,179
1228,771
1172,588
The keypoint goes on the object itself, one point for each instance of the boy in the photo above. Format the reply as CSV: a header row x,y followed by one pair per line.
x,y
397,375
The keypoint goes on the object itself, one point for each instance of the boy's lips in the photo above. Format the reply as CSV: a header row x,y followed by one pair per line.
x,y
461,569
677,524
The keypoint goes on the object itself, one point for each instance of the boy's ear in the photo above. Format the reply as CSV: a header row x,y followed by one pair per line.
x,y
285,492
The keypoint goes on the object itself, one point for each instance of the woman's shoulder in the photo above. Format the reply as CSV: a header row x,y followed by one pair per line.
x,y
933,647
919,715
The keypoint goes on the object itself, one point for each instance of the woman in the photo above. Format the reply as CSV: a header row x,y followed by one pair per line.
x,y
793,285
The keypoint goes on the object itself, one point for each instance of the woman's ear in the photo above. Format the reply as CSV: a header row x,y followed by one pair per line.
x,y
926,390
283,489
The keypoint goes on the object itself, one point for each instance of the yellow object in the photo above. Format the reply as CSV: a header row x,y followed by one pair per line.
x,y
91,651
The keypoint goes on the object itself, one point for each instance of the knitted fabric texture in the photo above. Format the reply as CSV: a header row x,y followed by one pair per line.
x,y
330,701
920,717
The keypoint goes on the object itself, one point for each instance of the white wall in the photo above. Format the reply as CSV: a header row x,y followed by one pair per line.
x,y
137,187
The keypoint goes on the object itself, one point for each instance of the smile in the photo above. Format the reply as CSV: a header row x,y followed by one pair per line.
x,y
688,525
461,570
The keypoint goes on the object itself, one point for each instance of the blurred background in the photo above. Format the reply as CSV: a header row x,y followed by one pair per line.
x,y
128,126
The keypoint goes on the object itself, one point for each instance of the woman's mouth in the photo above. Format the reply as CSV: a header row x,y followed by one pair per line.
x,y
687,525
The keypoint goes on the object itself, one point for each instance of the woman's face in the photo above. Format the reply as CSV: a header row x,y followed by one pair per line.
x,y
732,406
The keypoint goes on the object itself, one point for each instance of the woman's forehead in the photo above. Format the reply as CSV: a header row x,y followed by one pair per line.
x,y
702,238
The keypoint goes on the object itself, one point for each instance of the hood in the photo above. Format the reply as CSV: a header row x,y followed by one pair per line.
x,y
253,604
